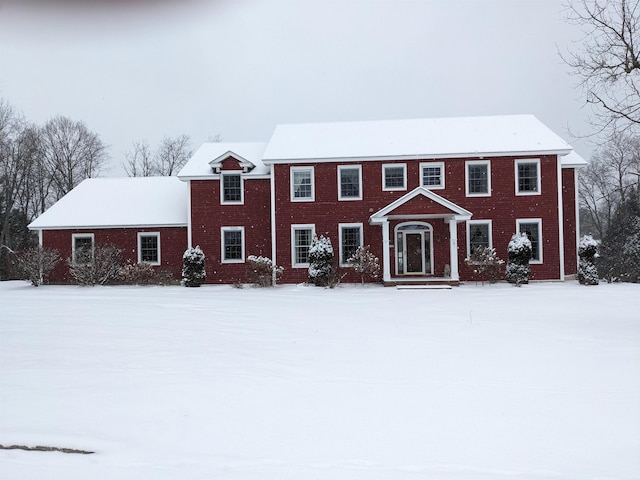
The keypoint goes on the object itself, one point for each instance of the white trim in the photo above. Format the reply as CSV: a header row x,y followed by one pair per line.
x,y
148,234
108,227
478,222
560,219
442,175
189,231
222,244
40,239
292,196
540,237
231,173
404,177
274,251
577,213
349,167
74,236
294,227
469,163
539,179
348,225
456,210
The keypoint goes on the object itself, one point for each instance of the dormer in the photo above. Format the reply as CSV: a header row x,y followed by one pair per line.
x,y
231,161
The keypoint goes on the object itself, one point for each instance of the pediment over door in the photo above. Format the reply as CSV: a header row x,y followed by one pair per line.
x,y
421,203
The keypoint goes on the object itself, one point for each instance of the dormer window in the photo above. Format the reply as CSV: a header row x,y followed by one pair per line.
x,y
231,188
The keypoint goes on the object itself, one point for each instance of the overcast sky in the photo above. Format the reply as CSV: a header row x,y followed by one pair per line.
x,y
141,69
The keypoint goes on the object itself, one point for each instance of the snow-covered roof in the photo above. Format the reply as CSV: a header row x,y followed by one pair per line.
x,y
119,202
438,137
199,165
573,160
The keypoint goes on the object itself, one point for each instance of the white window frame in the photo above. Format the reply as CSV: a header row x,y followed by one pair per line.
x,y
470,163
475,222
384,177
294,228
520,221
231,202
148,234
342,226
539,179
292,171
349,167
440,165
75,236
222,244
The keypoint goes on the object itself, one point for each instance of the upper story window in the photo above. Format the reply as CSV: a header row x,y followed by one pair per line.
x,y
350,182
302,184
394,176
478,178
478,235
149,247
232,188
301,238
528,176
82,248
232,244
432,175
533,228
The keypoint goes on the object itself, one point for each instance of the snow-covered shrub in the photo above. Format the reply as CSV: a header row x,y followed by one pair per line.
x,y
587,251
36,263
485,263
262,272
519,251
365,263
101,267
321,261
137,274
193,273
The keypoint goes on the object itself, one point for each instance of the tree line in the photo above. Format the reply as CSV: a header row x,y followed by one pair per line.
x,y
39,164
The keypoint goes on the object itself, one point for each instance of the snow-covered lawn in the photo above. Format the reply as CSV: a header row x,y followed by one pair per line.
x,y
473,383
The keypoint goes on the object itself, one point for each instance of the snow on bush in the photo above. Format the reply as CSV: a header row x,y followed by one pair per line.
x,y
193,273
137,274
321,261
485,263
587,251
36,263
365,263
262,272
96,267
519,251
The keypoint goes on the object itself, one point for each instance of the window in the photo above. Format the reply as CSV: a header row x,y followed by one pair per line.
x,y
394,177
432,175
533,228
301,238
478,178
232,244
302,184
82,248
349,182
478,234
232,189
149,247
350,239
528,177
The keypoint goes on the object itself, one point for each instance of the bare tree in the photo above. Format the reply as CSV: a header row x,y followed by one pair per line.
x,y
71,153
606,182
139,161
172,154
608,64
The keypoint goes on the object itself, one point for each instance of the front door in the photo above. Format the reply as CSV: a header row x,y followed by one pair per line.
x,y
414,244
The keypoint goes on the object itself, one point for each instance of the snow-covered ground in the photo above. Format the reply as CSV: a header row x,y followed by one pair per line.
x,y
473,383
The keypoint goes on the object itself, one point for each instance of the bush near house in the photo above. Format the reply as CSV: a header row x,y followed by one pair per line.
x,y
519,251
320,261
262,272
485,263
36,263
587,251
365,263
96,266
193,273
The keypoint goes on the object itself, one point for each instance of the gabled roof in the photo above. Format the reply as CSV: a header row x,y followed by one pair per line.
x,y
416,138
423,203
200,164
119,202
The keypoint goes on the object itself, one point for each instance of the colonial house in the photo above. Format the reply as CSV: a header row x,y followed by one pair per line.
x,y
422,193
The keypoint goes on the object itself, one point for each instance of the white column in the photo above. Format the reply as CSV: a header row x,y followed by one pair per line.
x,y
453,249
386,262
